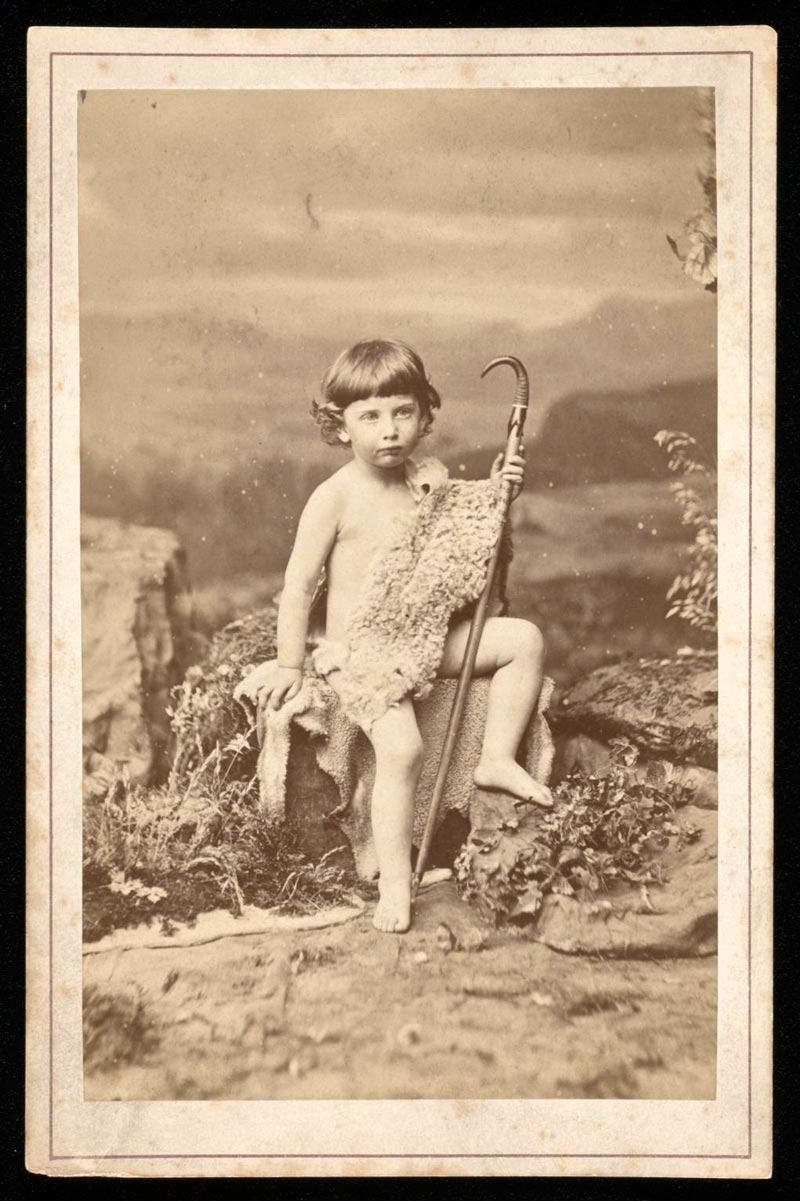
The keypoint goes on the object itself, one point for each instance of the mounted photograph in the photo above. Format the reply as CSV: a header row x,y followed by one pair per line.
x,y
400,460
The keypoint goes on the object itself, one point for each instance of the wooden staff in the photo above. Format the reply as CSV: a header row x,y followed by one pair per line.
x,y
516,424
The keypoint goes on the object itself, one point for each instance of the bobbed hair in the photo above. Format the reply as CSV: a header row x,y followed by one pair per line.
x,y
375,367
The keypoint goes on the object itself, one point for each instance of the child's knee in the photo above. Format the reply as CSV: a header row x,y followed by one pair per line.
x,y
398,745
407,752
526,641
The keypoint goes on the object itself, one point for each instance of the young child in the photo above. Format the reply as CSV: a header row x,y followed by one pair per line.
x,y
378,403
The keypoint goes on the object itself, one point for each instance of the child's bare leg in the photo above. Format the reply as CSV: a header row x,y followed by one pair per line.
x,y
512,652
399,750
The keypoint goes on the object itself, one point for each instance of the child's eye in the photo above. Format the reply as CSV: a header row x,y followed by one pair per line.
x,y
368,417
407,412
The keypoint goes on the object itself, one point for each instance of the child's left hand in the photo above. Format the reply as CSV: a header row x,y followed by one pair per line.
x,y
514,471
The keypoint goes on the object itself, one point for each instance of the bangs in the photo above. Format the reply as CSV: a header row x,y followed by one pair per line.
x,y
375,369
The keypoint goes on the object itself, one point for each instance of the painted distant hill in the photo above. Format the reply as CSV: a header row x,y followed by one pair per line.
x,y
203,426
591,438
596,437
212,389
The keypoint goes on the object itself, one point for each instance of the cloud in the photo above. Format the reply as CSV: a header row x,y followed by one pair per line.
x,y
496,151
387,263
315,206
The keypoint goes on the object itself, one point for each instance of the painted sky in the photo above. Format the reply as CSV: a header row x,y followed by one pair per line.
x,y
347,213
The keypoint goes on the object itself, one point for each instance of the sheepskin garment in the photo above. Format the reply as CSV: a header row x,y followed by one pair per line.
x,y
433,565
433,568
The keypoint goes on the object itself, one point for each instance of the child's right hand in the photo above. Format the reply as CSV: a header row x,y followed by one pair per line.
x,y
269,684
287,683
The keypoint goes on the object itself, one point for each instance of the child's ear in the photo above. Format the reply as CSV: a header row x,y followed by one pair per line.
x,y
343,436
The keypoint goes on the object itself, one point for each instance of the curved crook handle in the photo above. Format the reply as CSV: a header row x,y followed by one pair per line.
x,y
519,409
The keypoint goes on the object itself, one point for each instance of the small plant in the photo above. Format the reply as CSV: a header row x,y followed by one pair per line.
x,y
693,593
602,832
157,853
205,717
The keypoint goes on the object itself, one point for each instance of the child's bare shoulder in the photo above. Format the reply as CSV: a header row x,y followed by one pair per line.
x,y
339,486
328,498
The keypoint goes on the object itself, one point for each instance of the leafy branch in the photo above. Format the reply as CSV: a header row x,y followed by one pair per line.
x,y
699,259
693,593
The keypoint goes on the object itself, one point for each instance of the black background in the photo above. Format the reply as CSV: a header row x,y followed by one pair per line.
x,y
345,14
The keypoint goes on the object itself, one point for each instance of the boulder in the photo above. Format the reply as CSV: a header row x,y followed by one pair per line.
x,y
138,640
326,813
311,800
676,919
666,707
667,710
675,916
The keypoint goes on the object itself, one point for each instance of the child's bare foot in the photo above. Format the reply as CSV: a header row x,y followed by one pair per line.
x,y
393,911
505,775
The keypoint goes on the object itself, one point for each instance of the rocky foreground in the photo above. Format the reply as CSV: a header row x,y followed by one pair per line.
x,y
348,1012
612,995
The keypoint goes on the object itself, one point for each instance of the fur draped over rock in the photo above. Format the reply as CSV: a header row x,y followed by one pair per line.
x,y
430,574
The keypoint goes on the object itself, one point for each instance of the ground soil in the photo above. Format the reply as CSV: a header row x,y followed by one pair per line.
x,y
348,1012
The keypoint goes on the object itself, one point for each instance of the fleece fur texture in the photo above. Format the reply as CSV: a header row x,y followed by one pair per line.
x,y
433,566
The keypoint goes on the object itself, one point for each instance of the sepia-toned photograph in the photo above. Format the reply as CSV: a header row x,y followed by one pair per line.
x,y
399,588
398,483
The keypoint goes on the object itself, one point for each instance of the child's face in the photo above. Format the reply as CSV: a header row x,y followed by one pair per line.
x,y
382,430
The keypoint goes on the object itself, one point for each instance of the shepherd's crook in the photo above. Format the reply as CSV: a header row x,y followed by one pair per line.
x,y
516,424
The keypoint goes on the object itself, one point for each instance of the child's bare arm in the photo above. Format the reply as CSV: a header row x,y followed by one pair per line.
x,y
316,532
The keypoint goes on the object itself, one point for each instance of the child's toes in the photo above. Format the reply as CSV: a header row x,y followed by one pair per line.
x,y
541,795
392,919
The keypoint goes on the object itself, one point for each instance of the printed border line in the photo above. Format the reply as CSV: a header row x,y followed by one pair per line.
x,y
396,54
411,1155
749,630
50,610
469,54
